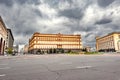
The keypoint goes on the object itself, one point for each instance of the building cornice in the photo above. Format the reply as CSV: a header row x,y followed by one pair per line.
x,y
107,35
1,20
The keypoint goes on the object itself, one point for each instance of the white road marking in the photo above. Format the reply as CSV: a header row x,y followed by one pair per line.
x,y
5,68
65,63
2,75
83,67
3,64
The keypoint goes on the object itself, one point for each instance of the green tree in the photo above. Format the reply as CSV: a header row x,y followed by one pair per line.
x,y
62,50
39,51
10,51
69,50
54,50
50,50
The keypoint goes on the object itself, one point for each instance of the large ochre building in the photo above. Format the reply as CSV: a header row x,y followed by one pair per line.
x,y
45,42
108,43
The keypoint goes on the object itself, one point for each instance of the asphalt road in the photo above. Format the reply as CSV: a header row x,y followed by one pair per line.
x,y
60,67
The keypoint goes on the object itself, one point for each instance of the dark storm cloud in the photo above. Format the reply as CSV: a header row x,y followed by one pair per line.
x,y
85,17
74,13
21,30
54,3
6,2
105,3
36,2
115,27
103,21
37,12
11,2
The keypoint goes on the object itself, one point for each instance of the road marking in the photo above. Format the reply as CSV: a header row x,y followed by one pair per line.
x,y
2,75
5,68
83,67
65,63
3,64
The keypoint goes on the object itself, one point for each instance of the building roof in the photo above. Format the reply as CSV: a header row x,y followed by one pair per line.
x,y
114,33
10,33
108,35
57,34
37,33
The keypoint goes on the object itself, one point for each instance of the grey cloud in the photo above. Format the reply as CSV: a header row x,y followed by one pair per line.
x,y
115,27
103,21
9,3
37,12
36,2
6,2
54,3
25,20
105,3
75,13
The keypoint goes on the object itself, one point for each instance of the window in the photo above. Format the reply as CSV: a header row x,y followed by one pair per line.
x,y
119,36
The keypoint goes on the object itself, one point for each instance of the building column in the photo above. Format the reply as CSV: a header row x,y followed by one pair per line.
x,y
1,46
118,43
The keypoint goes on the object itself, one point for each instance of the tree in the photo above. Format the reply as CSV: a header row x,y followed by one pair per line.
x,y
50,50
62,50
39,51
69,50
10,51
54,50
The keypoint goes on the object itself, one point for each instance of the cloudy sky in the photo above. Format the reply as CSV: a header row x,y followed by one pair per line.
x,y
89,18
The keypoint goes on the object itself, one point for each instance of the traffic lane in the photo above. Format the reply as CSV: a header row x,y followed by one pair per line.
x,y
87,74
57,68
31,76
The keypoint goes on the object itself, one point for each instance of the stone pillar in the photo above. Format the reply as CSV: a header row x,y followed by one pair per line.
x,y
1,46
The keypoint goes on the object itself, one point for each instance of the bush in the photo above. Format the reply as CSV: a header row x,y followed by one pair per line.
x,y
69,51
62,51
10,51
91,53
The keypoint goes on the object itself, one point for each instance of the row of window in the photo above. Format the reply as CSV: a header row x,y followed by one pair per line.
x,y
106,39
119,36
54,38
55,46
106,45
55,42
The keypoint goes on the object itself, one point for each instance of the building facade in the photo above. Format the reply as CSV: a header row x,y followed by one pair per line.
x,y
3,36
15,48
54,41
10,39
26,49
108,43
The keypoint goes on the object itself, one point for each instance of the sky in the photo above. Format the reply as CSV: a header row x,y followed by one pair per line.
x,y
90,18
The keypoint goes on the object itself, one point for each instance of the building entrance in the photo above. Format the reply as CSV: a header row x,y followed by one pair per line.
x,y
1,46
59,46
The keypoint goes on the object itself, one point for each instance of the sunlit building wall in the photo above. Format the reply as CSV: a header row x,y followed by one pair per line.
x,y
108,43
54,41
3,36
